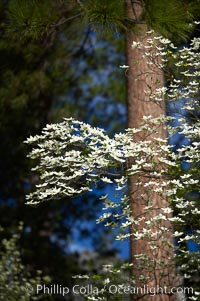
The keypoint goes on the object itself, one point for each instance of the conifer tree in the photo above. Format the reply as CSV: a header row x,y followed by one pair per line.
x,y
73,156
142,79
27,23
169,18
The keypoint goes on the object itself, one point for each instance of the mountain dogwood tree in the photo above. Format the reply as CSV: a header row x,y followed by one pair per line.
x,y
72,156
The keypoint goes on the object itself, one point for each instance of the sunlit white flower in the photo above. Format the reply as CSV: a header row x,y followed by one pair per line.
x,y
72,157
124,66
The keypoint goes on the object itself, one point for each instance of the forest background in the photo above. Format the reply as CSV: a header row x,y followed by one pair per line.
x,y
55,64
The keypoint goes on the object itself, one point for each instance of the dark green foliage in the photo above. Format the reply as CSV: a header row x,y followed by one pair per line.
x,y
16,282
48,64
53,66
170,18
41,63
106,15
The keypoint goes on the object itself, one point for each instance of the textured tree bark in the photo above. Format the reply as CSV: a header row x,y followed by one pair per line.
x,y
139,78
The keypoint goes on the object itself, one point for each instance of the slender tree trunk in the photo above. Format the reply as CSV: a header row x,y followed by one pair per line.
x,y
139,78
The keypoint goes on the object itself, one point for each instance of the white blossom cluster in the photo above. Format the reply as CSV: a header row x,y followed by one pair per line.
x,y
159,52
71,156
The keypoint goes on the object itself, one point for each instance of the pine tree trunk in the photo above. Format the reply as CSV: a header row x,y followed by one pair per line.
x,y
139,77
